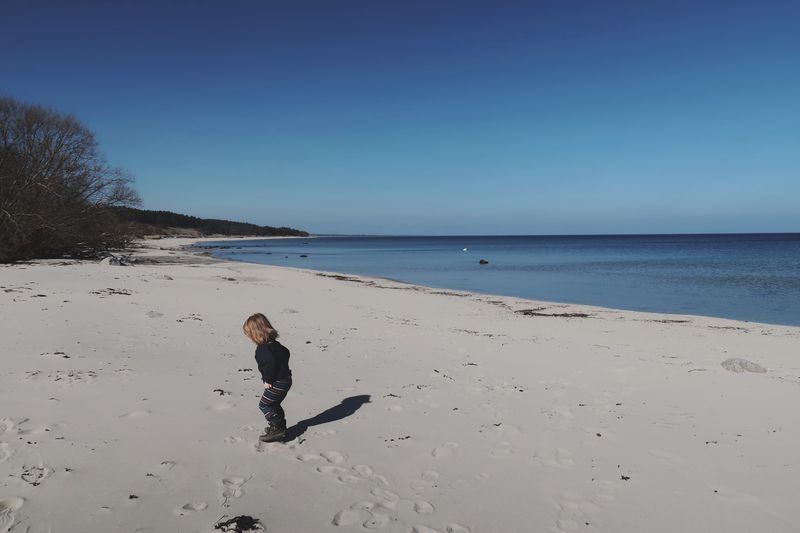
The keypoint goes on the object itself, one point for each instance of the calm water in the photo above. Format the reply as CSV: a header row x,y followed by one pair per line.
x,y
746,277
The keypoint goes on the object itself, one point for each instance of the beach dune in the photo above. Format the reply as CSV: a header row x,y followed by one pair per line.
x,y
129,402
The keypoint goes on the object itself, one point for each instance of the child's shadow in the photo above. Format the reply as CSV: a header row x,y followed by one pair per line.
x,y
346,408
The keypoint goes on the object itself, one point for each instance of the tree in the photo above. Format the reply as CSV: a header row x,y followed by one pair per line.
x,y
56,187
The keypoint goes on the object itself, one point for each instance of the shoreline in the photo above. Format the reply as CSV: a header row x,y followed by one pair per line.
x,y
576,307
130,403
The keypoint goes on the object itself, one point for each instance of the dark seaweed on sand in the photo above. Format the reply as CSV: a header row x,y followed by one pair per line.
x,y
538,312
239,524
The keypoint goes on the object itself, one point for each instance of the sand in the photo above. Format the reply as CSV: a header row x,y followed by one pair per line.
x,y
128,402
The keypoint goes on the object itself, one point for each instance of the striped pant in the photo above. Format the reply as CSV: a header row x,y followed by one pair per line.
x,y
270,403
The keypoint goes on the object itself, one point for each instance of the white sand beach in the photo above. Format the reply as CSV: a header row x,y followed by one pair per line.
x,y
128,402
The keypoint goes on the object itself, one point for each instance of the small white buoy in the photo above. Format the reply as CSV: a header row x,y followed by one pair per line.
x,y
464,250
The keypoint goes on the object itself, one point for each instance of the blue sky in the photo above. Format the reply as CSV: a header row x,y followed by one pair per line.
x,y
433,117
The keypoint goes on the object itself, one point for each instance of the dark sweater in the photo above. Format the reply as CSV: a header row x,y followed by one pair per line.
x,y
273,362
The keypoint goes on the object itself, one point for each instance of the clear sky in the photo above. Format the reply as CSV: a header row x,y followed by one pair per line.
x,y
435,116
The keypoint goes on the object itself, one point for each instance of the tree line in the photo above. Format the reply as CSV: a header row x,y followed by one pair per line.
x,y
59,196
155,222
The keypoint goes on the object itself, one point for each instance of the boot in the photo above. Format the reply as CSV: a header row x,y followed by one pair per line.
x,y
274,431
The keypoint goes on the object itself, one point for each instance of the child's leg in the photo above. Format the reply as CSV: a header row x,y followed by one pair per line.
x,y
270,403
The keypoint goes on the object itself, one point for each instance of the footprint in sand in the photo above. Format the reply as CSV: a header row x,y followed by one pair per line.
x,y
376,521
34,475
429,481
7,508
381,510
154,314
378,516
444,450
575,511
231,488
5,451
385,497
333,457
570,516
235,439
306,457
346,517
338,470
364,471
430,476
350,478
365,505
423,507
380,480
189,508
6,425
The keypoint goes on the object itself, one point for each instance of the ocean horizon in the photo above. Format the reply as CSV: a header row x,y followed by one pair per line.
x,y
752,277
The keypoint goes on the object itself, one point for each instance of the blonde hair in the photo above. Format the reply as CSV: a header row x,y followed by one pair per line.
x,y
259,330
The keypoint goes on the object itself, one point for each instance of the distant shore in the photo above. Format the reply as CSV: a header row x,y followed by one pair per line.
x,y
413,410
190,241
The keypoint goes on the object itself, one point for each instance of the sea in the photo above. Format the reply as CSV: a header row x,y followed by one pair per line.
x,y
750,277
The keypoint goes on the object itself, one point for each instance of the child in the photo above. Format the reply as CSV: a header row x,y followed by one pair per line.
x,y
273,363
